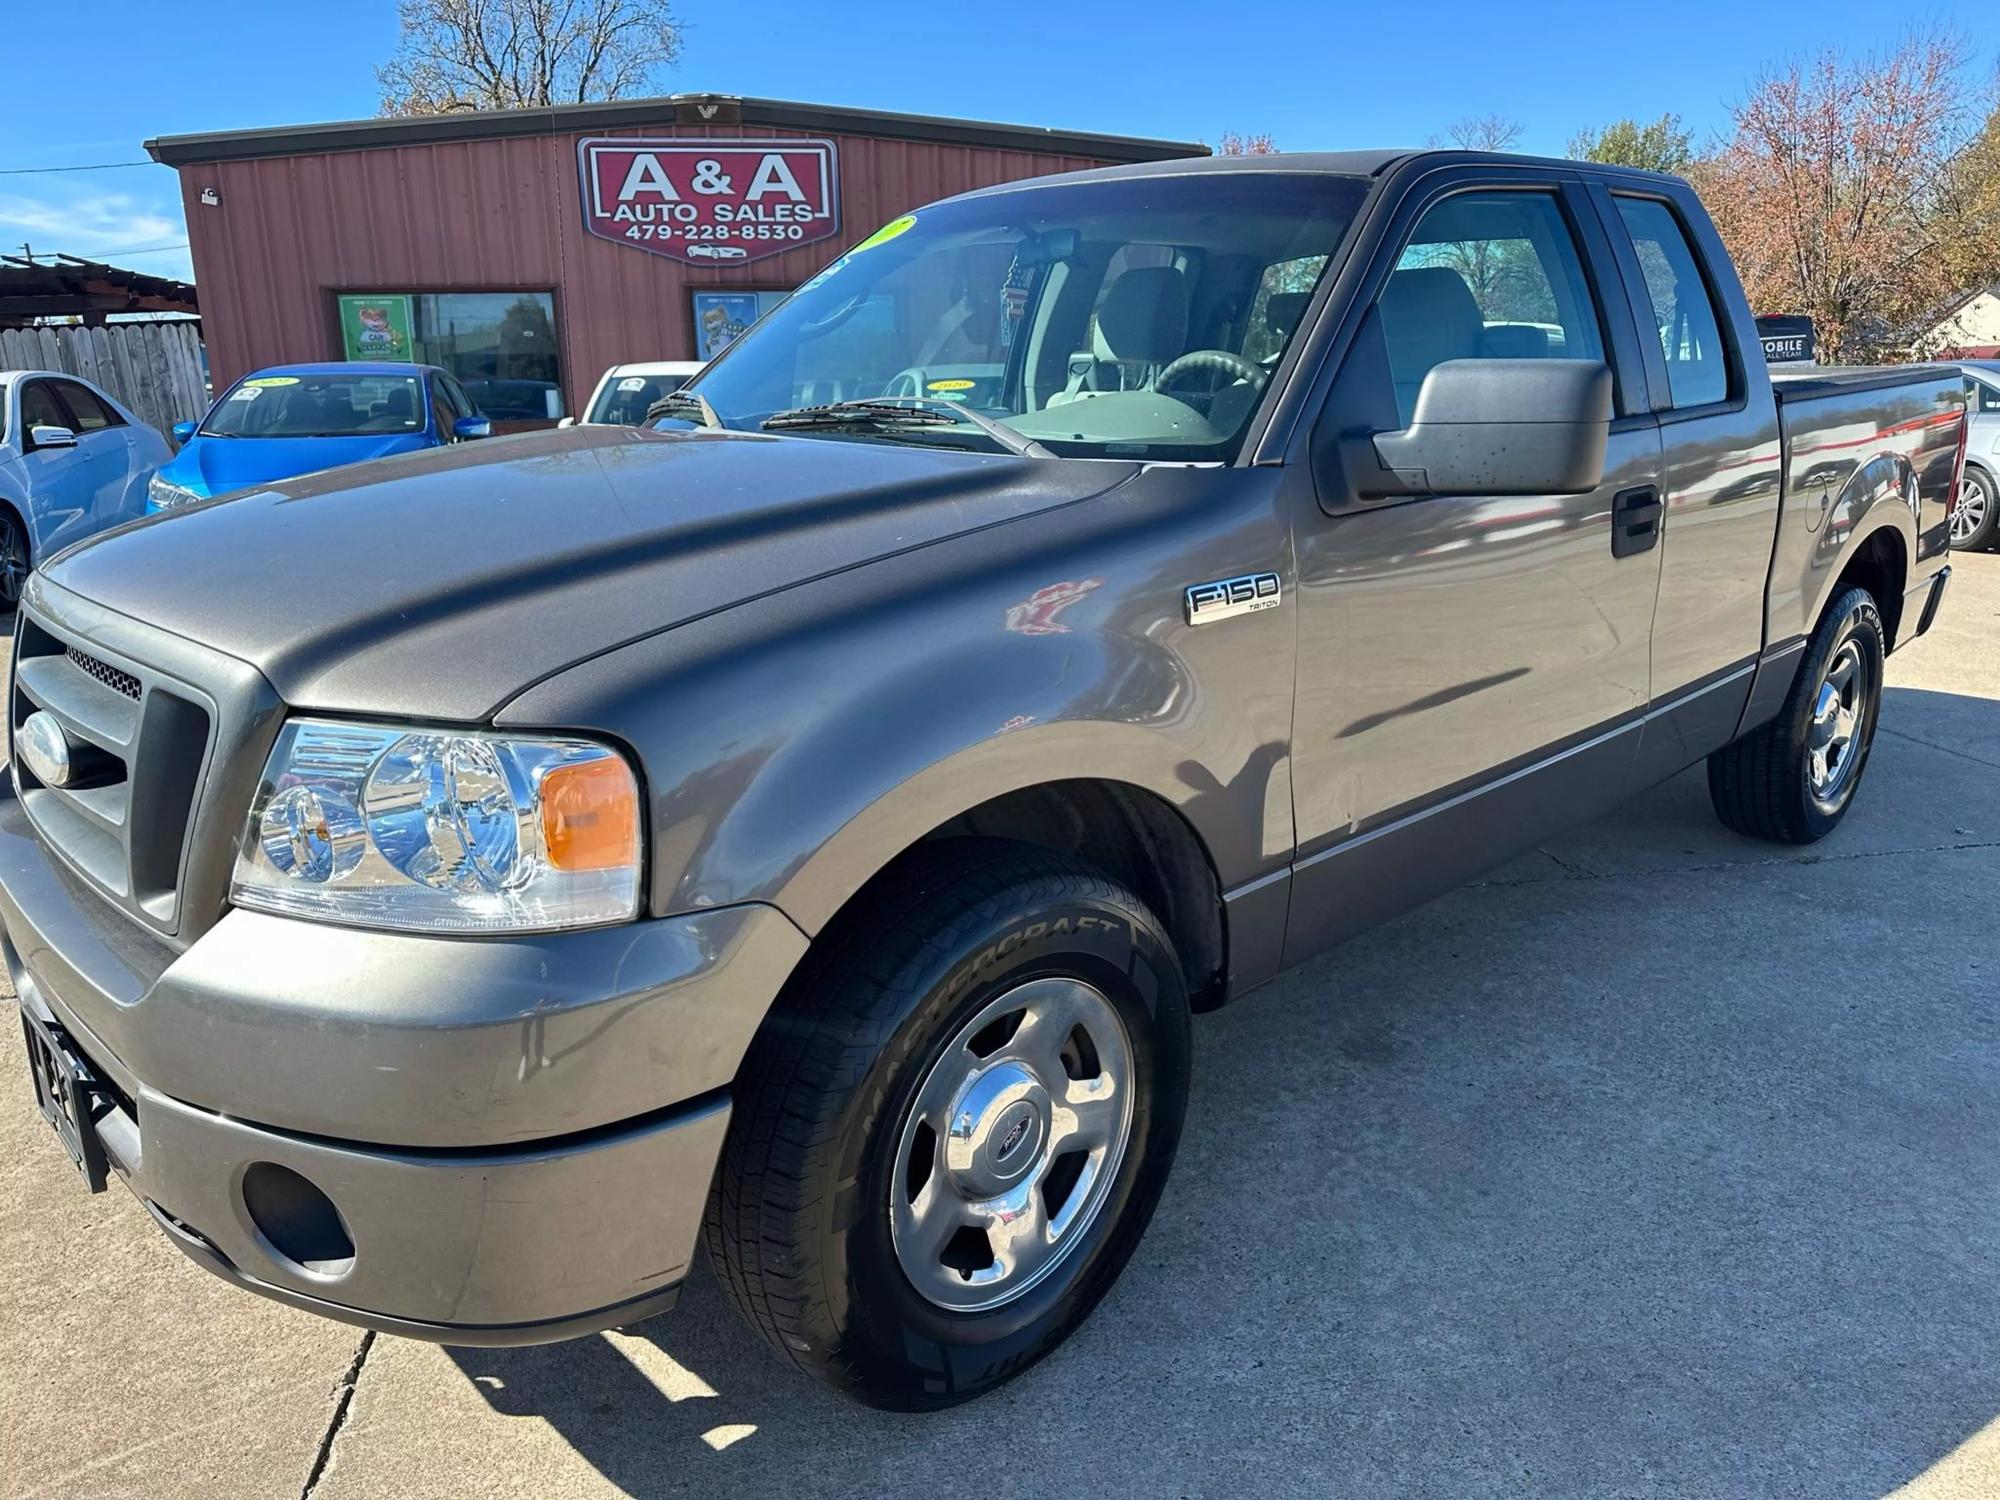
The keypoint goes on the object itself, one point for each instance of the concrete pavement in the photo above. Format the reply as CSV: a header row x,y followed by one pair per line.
x,y
1659,1163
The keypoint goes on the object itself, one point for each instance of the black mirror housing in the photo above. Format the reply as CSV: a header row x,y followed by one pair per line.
x,y
1500,427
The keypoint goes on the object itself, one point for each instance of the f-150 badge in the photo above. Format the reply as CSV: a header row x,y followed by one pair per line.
x,y
1246,594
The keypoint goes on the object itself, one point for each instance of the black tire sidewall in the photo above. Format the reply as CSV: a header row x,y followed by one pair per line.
x,y
1989,529
1858,618
904,1349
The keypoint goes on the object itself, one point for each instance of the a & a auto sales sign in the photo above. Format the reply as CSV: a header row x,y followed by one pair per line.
x,y
709,202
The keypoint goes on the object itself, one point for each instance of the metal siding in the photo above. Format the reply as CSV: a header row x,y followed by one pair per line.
x,y
502,214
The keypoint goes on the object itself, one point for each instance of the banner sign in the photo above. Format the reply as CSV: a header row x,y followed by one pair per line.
x,y
1787,340
375,327
720,319
709,202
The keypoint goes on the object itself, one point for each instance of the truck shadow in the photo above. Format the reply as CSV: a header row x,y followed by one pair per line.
x,y
1659,1164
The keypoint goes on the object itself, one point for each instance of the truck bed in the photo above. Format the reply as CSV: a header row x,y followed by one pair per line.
x,y
1856,441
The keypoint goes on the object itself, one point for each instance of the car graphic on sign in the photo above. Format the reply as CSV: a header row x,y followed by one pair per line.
x,y
718,252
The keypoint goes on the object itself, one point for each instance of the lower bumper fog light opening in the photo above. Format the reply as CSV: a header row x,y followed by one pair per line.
x,y
297,1220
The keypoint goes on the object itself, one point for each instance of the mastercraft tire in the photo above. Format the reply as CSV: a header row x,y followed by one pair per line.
x,y
952,1130
1975,523
1792,780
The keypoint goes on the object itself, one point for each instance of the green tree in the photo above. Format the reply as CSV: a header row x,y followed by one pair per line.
x,y
1661,146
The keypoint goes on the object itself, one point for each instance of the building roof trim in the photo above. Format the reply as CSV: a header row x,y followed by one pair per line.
x,y
724,110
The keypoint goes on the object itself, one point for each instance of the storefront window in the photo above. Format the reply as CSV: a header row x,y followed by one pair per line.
x,y
502,346
720,318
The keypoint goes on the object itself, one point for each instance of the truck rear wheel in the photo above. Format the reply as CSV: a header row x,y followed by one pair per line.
x,y
1792,780
951,1132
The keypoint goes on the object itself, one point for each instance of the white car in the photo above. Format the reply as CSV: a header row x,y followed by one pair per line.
x,y
1976,522
626,391
73,461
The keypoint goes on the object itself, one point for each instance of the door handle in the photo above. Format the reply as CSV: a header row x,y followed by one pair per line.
x,y
1635,520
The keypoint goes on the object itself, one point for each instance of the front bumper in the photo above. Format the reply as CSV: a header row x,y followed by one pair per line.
x,y
517,1136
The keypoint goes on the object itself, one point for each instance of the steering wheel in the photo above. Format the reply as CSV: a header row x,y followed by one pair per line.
x,y
1215,359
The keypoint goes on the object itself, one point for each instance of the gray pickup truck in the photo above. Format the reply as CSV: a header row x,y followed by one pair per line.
x,y
447,890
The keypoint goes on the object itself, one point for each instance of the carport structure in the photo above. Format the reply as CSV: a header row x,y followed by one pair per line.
x,y
69,286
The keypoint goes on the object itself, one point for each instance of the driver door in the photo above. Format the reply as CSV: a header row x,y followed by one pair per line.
x,y
1471,669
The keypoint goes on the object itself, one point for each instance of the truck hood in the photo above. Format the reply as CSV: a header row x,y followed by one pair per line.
x,y
439,585
214,466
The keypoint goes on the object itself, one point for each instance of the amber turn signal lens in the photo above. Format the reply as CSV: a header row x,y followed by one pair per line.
x,y
590,816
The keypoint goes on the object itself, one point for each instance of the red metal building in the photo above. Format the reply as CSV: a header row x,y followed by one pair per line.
x,y
528,250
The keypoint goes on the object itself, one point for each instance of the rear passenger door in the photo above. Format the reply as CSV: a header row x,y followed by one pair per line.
x,y
1721,469
1452,644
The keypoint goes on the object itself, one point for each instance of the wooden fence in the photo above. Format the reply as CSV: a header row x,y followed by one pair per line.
x,y
154,368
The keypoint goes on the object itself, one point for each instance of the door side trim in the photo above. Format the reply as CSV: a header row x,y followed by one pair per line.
x,y
1418,852
1775,670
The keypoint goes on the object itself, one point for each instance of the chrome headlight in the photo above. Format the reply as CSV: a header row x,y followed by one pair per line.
x,y
441,830
166,494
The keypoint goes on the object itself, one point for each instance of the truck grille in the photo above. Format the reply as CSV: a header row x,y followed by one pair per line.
x,y
104,672
139,740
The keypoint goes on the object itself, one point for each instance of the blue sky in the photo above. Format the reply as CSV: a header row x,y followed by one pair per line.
x,y
1315,75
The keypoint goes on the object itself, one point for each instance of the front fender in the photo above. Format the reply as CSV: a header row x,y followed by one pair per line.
x,y
796,744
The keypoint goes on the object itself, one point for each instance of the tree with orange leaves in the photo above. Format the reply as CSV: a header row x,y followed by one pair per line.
x,y
1833,192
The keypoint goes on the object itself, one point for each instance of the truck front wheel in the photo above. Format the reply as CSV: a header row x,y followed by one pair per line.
x,y
952,1130
1792,780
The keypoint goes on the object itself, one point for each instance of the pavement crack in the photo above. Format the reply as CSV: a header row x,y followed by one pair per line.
x,y
341,1406
1917,739
1577,872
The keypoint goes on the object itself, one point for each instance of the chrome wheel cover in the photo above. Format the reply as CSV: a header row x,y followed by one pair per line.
x,y
1835,737
1011,1144
1973,503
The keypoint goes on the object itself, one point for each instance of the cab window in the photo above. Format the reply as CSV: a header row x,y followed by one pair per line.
x,y
1487,275
1684,314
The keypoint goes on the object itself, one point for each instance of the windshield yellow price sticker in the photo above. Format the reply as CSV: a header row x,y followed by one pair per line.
x,y
952,385
264,380
888,232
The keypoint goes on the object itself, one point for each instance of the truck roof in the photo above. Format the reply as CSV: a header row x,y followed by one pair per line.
x,y
1324,163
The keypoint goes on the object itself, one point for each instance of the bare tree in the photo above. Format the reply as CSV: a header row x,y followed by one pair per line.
x,y
514,54
1233,144
1833,193
1481,133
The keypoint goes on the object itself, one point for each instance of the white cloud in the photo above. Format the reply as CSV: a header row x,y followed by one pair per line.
x,y
85,223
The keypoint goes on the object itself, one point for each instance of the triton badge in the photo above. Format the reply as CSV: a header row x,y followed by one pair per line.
x,y
1209,602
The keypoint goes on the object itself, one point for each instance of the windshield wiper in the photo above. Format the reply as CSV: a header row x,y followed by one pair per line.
x,y
904,411
667,406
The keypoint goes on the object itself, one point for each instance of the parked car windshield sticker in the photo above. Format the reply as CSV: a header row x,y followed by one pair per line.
x,y
887,232
263,380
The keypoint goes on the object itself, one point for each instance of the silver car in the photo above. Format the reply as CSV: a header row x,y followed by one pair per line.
x,y
1976,522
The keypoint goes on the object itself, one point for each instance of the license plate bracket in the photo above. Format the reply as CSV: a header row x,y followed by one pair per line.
x,y
69,1096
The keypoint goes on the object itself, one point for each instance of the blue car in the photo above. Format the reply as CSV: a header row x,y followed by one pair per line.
x,y
294,419
73,461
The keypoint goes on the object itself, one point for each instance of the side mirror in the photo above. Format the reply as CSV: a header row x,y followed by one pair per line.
x,y
471,427
182,432
40,436
1501,427
567,422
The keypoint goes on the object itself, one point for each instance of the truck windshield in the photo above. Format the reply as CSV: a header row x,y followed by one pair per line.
x,y
334,405
1130,317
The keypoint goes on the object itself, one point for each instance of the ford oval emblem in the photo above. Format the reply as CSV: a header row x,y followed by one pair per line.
x,y
44,749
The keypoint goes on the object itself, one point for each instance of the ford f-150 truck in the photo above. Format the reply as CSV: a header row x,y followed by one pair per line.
x,y
447,890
